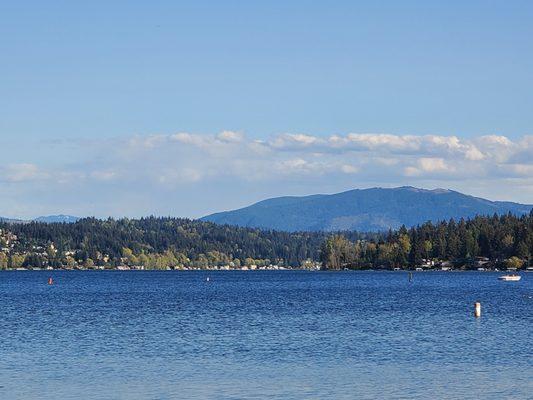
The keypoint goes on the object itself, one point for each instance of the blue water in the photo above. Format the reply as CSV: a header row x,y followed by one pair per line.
x,y
264,335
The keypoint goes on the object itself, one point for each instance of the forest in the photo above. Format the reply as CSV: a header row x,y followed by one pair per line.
x,y
162,243
497,241
156,243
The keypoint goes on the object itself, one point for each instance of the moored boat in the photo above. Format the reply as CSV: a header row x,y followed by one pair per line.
x,y
510,278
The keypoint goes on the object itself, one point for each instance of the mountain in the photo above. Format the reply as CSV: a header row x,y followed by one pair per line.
x,y
54,219
368,210
9,220
50,219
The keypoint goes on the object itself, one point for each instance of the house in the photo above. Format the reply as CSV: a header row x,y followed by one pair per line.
x,y
427,263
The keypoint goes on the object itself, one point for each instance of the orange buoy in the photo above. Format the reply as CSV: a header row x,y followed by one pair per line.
x,y
50,281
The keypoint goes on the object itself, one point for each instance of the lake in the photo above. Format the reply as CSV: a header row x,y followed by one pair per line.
x,y
264,335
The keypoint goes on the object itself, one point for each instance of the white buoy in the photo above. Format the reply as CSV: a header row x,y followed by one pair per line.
x,y
477,309
207,280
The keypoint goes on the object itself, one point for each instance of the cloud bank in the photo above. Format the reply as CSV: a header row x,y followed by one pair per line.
x,y
194,157
233,164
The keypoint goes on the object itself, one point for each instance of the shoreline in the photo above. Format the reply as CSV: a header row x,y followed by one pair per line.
x,y
257,270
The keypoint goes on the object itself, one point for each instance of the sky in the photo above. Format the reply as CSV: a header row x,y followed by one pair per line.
x,y
132,108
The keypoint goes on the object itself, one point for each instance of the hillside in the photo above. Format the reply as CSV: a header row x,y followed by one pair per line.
x,y
105,241
369,210
55,219
48,219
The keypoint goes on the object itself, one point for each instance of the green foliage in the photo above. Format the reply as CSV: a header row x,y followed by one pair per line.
x,y
16,261
506,237
337,252
514,263
3,260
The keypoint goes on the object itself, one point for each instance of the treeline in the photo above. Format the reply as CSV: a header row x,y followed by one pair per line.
x,y
506,240
157,243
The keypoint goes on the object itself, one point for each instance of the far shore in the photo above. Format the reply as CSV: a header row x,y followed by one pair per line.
x,y
127,269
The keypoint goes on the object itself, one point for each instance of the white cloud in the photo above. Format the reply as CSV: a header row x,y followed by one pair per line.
x,y
230,136
22,173
474,154
298,166
349,169
525,170
434,165
179,176
188,138
149,141
289,141
427,165
382,141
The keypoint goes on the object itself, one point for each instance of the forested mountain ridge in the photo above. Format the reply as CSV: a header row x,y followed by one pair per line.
x,y
364,210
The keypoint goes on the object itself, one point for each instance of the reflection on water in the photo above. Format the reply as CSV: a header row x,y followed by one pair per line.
x,y
264,335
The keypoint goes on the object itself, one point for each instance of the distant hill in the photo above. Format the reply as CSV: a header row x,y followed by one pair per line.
x,y
369,210
10,220
52,219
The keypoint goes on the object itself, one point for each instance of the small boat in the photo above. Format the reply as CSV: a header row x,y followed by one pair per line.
x,y
510,278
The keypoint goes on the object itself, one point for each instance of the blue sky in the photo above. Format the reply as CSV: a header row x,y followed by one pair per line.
x,y
185,108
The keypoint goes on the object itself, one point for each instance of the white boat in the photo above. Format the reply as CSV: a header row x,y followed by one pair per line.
x,y
510,278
